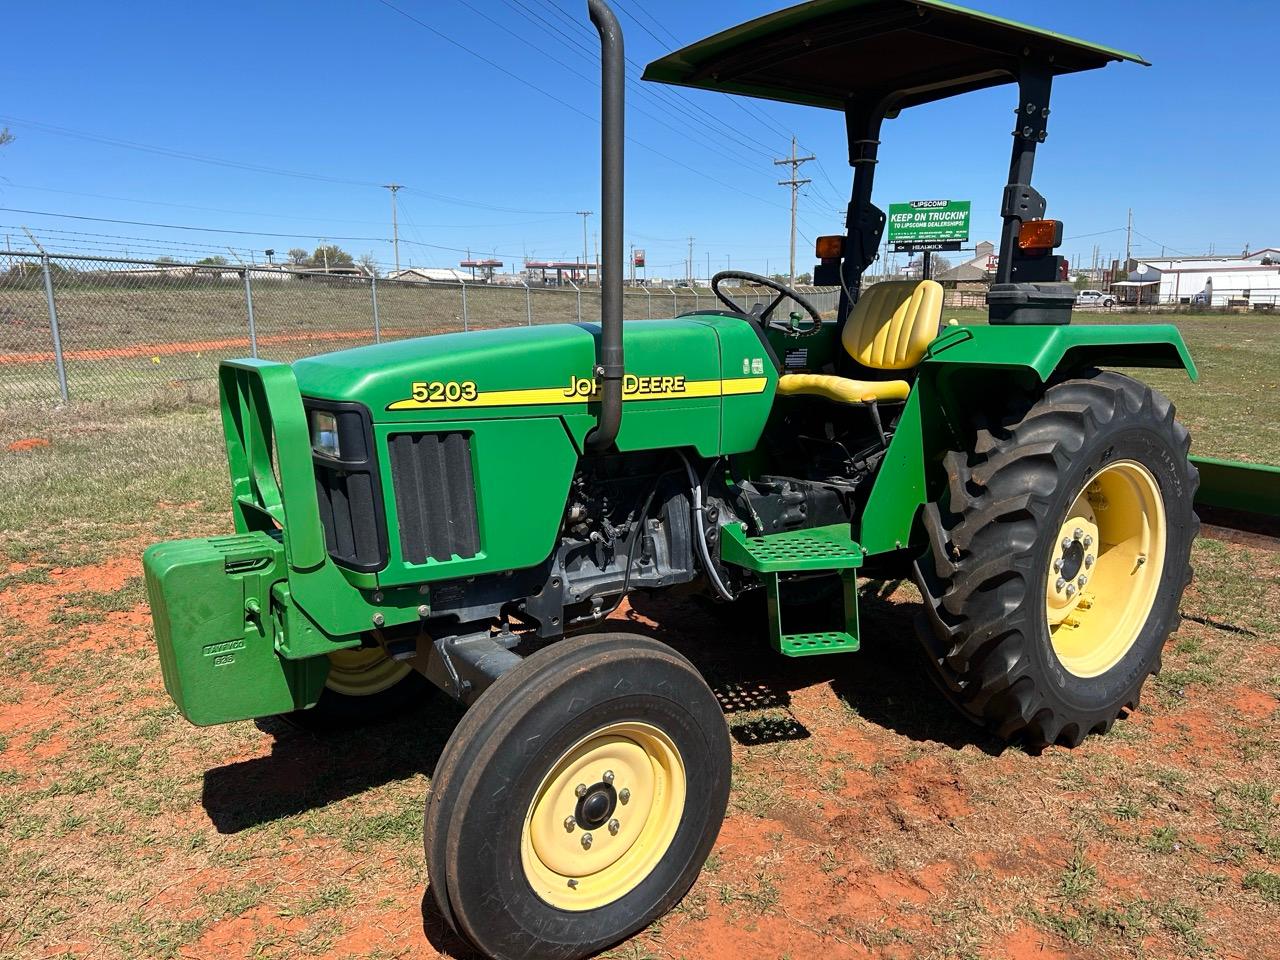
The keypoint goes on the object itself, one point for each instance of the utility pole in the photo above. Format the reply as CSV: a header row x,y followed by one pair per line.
x,y
795,183
688,273
633,265
395,224
324,252
1128,241
708,266
585,259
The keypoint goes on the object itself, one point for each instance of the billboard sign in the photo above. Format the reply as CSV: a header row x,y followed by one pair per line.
x,y
928,225
637,258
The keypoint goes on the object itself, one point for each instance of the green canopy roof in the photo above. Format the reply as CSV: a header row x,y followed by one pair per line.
x,y
827,53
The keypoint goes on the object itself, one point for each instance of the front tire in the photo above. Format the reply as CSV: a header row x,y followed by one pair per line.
x,y
364,686
578,798
1059,558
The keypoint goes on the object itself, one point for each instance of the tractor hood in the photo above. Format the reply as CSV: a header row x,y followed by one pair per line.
x,y
681,375
383,377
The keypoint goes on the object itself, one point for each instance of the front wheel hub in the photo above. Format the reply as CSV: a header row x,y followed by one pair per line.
x,y
616,851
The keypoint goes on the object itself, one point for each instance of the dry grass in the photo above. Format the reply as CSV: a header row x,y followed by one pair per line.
x,y
866,818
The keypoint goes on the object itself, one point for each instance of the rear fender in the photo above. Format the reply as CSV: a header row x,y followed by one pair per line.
x,y
963,369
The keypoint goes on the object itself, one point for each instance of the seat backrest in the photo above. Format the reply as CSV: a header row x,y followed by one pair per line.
x,y
892,324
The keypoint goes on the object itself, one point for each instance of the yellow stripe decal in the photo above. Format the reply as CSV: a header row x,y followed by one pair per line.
x,y
581,391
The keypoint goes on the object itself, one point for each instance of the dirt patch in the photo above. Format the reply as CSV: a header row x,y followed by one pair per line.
x,y
26,443
157,350
866,819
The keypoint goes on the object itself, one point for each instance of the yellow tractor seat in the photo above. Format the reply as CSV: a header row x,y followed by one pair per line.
x,y
890,328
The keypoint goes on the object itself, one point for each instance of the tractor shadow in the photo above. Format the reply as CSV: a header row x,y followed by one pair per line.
x,y
886,682
307,770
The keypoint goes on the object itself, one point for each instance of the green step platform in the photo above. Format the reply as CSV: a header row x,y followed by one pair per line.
x,y
800,551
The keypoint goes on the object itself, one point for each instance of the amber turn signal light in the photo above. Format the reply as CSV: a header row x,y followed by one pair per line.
x,y
1040,234
830,248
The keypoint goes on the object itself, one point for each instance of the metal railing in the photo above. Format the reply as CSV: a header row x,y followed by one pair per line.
x,y
93,329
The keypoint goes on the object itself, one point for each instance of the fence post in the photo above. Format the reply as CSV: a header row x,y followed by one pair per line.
x,y
377,323
697,301
248,304
528,304
58,359
466,320
579,293
648,303
675,305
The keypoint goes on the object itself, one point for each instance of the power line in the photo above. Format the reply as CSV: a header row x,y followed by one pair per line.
x,y
711,143
251,167
744,104
533,86
178,226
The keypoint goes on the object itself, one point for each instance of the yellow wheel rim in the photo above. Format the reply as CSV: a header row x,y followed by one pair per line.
x,y
363,671
603,817
1104,571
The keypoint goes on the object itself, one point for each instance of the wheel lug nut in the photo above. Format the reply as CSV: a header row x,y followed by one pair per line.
x,y
1088,560
1071,589
580,790
570,823
1060,584
1081,582
1077,533
608,776
614,827
1057,565
586,841
1066,543
624,795
1088,542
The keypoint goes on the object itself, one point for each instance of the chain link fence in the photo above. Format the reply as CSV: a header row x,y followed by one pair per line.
x,y
130,331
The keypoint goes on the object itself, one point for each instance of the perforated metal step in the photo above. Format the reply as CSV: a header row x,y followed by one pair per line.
x,y
810,644
821,548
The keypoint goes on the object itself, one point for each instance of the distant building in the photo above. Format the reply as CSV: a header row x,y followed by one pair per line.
x,y
978,270
1251,279
429,275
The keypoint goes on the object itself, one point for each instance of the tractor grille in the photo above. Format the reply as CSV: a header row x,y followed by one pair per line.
x,y
435,496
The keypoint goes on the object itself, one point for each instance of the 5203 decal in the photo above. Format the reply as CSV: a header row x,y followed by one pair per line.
x,y
442,391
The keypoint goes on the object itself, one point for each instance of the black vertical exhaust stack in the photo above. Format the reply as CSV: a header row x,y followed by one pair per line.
x,y
608,371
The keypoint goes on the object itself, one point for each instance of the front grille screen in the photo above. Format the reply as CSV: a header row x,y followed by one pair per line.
x,y
435,496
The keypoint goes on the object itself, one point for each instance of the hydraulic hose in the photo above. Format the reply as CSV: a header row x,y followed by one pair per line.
x,y
700,532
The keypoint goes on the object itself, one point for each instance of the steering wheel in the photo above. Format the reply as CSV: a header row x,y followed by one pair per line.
x,y
784,292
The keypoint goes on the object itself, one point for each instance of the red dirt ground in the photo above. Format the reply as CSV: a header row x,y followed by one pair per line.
x,y
866,819
26,443
169,348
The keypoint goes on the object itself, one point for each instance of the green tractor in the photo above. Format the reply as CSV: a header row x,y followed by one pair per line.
x,y
469,508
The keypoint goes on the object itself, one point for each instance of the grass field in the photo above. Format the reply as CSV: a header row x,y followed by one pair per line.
x,y
129,339
866,819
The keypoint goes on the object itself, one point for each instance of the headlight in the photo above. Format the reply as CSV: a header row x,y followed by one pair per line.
x,y
324,434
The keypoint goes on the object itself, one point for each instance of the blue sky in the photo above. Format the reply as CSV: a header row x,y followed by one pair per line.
x,y
354,95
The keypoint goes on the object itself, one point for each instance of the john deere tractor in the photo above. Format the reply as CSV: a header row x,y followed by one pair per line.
x,y
469,508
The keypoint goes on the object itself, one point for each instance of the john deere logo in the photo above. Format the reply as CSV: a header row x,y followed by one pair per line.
x,y
631,386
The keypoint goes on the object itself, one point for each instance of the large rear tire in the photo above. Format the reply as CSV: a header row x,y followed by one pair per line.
x,y
578,798
1058,559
